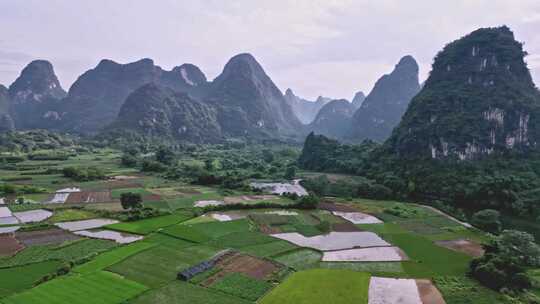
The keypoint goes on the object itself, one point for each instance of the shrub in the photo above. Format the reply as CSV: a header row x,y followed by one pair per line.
x,y
83,174
153,166
488,220
506,261
310,201
130,200
128,160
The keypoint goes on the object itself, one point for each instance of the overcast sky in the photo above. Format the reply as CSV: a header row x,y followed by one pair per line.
x,y
328,47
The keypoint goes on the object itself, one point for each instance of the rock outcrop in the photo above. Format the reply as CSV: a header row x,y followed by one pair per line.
x,y
34,94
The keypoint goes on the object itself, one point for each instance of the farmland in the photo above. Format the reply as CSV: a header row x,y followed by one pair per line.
x,y
249,247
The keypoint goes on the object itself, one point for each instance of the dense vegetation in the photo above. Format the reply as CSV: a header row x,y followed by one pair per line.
x,y
507,184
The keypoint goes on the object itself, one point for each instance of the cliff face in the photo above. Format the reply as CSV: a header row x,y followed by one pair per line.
x,y
6,122
34,95
478,100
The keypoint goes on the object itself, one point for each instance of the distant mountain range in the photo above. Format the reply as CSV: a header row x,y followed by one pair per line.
x,y
304,109
479,99
372,117
241,102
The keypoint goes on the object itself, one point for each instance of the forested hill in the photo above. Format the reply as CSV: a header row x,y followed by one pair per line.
x,y
478,100
468,140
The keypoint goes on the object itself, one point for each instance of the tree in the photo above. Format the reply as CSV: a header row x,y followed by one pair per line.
x,y
164,155
130,200
290,173
268,155
506,260
209,164
487,219
310,201
129,160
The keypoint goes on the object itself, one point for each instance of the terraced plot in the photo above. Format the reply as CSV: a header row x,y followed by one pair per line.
x,y
101,287
321,286
113,256
181,292
160,265
147,226
17,279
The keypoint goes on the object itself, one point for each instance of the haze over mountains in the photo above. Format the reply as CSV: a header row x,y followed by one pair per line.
x,y
244,102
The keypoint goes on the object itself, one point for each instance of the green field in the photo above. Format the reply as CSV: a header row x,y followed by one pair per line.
x,y
99,287
321,286
185,232
463,290
242,286
66,215
113,256
427,259
180,292
16,279
147,226
159,265
69,252
145,272
268,249
238,240
299,259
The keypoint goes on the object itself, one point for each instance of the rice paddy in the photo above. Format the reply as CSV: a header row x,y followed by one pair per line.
x,y
75,244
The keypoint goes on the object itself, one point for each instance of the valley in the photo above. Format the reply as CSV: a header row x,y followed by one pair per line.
x,y
141,184
208,243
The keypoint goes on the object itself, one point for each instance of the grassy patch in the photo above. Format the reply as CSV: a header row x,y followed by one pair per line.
x,y
186,232
187,202
321,286
199,220
181,292
299,259
66,215
147,226
242,286
17,279
112,257
25,207
219,229
159,265
99,287
427,258
167,241
70,252
269,249
242,239
462,290
392,268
